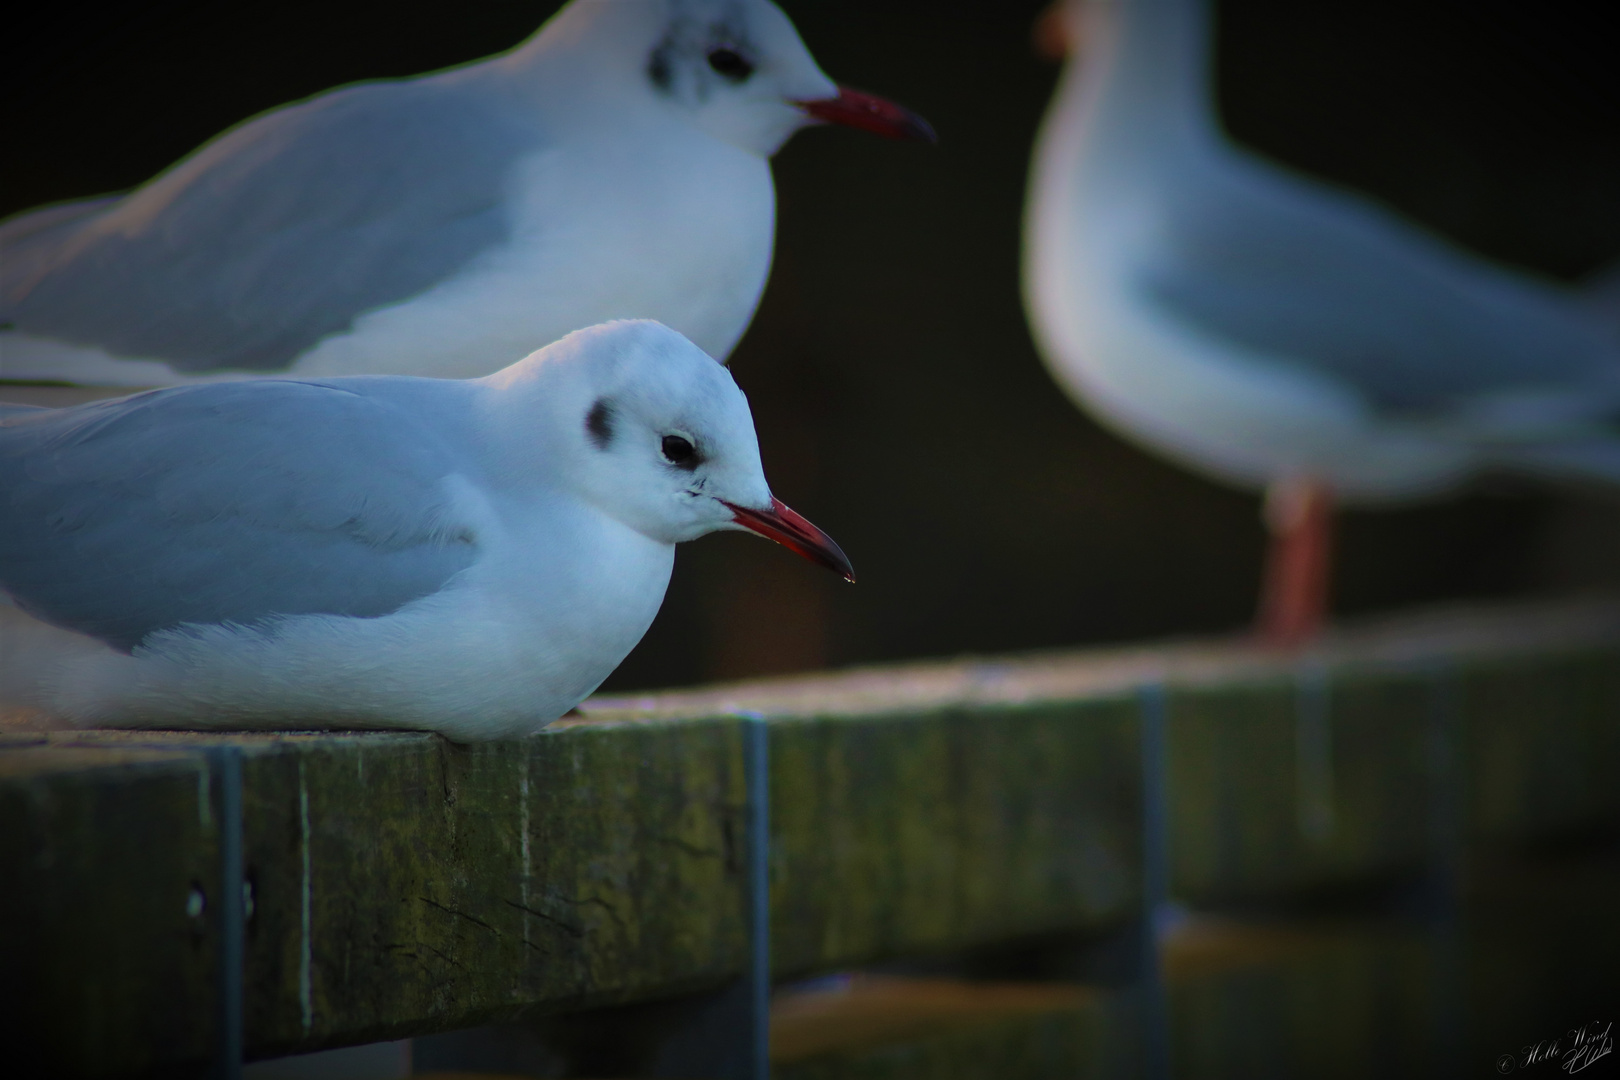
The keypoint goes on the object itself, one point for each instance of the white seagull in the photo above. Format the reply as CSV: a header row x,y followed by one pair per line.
x,y
1271,331
470,557
615,165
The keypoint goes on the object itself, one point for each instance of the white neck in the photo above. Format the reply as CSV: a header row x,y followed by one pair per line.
x,y
1152,71
577,56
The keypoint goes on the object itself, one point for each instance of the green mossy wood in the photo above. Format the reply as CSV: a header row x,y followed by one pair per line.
x,y
402,884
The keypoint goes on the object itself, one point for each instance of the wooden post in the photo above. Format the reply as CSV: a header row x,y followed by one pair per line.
x,y
229,920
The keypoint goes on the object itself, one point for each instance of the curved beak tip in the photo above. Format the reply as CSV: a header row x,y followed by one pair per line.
x,y
785,526
868,112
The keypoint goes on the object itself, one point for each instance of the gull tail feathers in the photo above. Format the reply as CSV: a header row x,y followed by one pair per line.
x,y
1601,294
1595,459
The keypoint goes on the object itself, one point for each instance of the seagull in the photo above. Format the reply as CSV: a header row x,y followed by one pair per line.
x,y
1274,332
471,557
614,165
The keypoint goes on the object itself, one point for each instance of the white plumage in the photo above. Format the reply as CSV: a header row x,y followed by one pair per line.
x,y
468,557
1256,325
616,165
1271,331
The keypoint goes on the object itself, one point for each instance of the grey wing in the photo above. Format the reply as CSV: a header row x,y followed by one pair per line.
x,y
1339,286
278,233
227,502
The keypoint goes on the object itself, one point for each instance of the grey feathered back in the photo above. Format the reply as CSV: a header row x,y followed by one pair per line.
x,y
278,233
1329,282
225,502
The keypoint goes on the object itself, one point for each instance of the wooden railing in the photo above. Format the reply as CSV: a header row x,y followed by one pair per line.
x,y
399,885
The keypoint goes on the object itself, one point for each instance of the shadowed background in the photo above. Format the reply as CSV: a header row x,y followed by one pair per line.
x,y
898,397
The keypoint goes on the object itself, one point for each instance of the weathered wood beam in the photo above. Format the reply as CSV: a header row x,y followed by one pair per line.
x,y
402,884
105,954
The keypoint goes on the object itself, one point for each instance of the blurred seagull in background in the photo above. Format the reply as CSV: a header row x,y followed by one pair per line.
x,y
615,165
471,557
1269,330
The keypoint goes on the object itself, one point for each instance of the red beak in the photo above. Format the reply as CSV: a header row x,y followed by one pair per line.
x,y
855,109
795,533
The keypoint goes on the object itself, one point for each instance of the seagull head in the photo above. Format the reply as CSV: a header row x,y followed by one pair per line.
x,y
735,69
649,429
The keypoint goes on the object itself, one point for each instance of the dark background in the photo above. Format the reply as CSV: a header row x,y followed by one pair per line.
x,y
899,400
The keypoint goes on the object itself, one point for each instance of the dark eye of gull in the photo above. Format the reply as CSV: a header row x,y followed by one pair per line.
x,y
679,452
731,65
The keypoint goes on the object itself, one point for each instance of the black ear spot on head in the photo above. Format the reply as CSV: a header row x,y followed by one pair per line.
x,y
599,423
658,66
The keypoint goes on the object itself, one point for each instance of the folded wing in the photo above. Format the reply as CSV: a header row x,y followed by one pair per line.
x,y
224,503
276,234
1333,283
